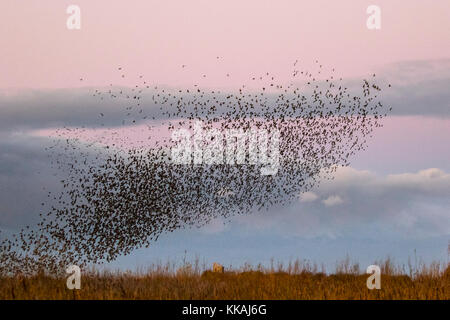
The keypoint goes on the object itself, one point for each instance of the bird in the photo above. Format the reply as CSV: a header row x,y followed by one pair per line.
x,y
118,194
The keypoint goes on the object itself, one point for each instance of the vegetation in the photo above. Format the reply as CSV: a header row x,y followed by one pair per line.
x,y
296,280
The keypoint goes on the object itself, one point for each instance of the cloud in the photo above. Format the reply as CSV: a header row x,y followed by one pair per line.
x,y
308,196
418,88
26,176
332,201
359,201
39,109
414,204
417,201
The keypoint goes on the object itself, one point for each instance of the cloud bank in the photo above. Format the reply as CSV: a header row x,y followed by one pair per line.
x,y
414,203
418,88
358,201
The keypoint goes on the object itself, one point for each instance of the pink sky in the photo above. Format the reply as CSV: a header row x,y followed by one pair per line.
x,y
155,38
251,37
403,144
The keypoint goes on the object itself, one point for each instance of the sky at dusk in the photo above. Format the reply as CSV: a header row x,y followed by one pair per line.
x,y
393,199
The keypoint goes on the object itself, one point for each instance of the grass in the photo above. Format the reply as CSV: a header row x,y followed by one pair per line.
x,y
296,280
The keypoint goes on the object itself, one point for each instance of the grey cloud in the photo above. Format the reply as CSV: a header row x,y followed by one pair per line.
x,y
412,204
25,178
419,88
37,109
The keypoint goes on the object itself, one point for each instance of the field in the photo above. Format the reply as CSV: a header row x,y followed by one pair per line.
x,y
297,280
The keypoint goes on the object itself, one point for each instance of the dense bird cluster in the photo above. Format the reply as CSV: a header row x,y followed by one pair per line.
x,y
120,194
